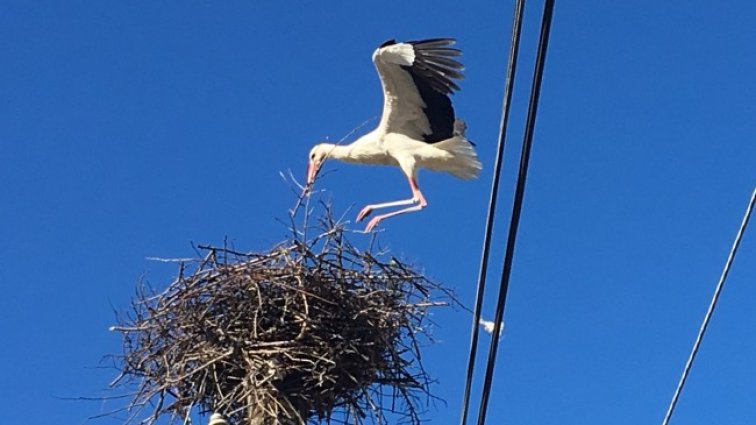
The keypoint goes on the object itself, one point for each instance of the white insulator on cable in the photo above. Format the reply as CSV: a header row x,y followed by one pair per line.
x,y
217,419
488,326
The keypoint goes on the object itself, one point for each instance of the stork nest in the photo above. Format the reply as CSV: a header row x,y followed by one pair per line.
x,y
313,330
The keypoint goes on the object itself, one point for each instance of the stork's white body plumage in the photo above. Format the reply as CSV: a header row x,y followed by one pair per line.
x,y
418,128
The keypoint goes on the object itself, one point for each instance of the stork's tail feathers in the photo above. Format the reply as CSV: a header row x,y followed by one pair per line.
x,y
466,164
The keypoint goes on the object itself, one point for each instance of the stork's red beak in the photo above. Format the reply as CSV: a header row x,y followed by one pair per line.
x,y
312,171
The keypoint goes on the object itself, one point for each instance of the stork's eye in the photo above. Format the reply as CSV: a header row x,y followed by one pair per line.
x,y
312,156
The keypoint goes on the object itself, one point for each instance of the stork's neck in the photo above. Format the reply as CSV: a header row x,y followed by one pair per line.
x,y
340,152
364,150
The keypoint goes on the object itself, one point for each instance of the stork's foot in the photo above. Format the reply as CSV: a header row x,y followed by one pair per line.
x,y
372,223
364,213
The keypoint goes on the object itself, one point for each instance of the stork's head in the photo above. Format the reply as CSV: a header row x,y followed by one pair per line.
x,y
318,155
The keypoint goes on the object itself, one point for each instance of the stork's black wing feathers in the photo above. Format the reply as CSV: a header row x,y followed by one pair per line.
x,y
430,43
433,72
434,62
418,78
444,63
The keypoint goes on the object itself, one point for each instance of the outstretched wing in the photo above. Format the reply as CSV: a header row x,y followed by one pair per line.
x,y
417,79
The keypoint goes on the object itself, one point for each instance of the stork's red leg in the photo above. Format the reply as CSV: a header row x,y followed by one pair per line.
x,y
417,199
368,209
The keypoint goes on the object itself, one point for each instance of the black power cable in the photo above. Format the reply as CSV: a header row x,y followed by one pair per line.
x,y
710,311
508,88
543,42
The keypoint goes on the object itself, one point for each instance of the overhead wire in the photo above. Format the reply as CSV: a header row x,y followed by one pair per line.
x,y
543,42
503,124
710,310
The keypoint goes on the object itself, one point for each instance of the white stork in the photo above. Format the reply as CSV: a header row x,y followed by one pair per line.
x,y
417,129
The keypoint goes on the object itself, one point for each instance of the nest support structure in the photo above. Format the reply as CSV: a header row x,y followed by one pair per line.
x,y
312,331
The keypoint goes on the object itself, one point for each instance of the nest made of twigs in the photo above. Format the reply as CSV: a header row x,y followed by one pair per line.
x,y
312,330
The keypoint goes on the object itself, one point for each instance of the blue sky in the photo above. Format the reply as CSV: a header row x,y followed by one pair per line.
x,y
132,129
